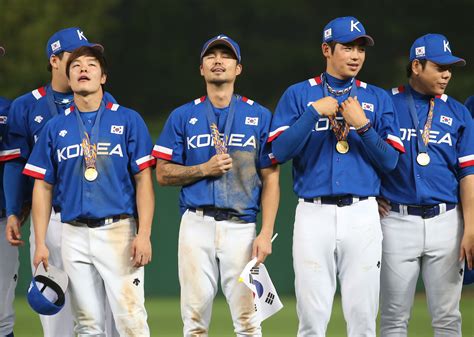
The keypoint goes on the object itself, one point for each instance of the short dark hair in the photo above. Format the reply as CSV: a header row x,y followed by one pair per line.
x,y
49,67
332,46
409,65
94,52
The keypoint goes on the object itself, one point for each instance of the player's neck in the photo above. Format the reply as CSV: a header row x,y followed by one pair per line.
x,y
88,103
220,96
419,87
60,84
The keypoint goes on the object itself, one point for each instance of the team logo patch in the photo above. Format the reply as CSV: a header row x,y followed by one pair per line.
x,y
446,120
251,120
327,33
368,106
38,119
117,129
193,120
55,46
420,51
3,119
63,133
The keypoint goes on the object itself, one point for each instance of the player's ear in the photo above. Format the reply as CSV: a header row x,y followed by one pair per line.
x,y
239,69
201,70
54,61
416,67
103,79
326,49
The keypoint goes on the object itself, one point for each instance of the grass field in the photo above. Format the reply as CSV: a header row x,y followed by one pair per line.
x,y
164,319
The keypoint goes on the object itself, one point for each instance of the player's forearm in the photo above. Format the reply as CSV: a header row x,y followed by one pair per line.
x,y
270,198
467,201
292,140
14,186
41,210
380,152
170,174
145,201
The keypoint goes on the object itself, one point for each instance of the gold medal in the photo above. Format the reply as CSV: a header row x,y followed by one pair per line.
x,y
423,158
342,146
91,174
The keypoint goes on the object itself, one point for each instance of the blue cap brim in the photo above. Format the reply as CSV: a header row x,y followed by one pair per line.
x,y
369,41
447,59
220,42
94,45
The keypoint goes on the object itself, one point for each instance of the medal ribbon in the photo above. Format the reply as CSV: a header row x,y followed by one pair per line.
x,y
425,135
220,144
341,129
89,144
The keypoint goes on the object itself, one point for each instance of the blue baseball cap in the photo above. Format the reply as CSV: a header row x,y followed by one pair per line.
x,y
68,40
434,48
47,291
222,40
344,30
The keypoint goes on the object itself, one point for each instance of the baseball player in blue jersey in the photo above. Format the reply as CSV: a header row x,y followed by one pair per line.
x,y
28,115
8,254
341,133
216,148
97,154
422,225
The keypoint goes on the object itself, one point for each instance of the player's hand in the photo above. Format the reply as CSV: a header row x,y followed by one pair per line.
x,y
262,247
217,166
353,113
41,255
141,251
384,206
326,106
12,231
467,248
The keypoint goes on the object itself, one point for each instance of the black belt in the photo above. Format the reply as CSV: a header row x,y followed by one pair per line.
x,y
94,223
219,214
338,200
426,212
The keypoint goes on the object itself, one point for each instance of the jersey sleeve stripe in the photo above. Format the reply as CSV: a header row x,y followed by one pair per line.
x,y
145,162
162,152
34,171
274,134
9,154
272,158
466,161
396,143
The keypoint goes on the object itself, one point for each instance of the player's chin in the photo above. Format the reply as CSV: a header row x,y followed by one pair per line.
x,y
218,81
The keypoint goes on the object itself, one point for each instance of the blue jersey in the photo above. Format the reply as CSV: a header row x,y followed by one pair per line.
x,y
318,169
450,147
4,154
123,150
470,104
28,115
186,140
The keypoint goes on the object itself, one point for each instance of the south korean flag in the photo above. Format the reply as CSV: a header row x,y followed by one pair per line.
x,y
266,299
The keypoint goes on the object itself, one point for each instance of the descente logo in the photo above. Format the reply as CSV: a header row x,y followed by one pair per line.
x,y
235,139
103,149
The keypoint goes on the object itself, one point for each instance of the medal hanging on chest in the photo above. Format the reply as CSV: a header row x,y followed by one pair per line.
x,y
422,158
340,128
90,157
89,144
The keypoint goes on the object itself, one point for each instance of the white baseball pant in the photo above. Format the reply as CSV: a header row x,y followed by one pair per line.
x,y
208,249
61,324
412,244
9,265
99,265
331,242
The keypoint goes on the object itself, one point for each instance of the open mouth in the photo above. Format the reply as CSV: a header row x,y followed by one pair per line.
x,y
83,78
